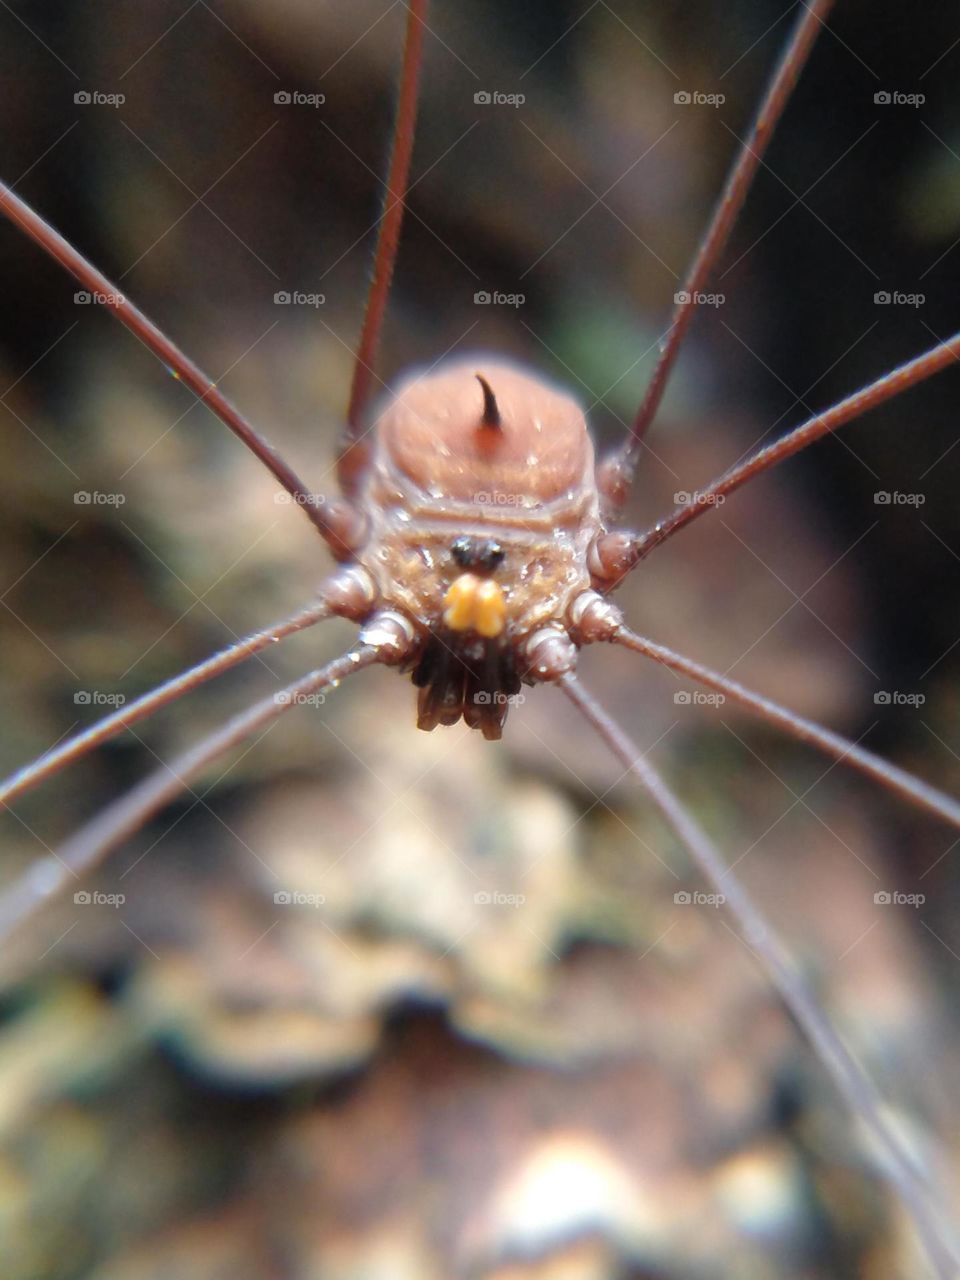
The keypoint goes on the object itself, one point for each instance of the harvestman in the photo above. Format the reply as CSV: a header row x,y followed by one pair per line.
x,y
474,602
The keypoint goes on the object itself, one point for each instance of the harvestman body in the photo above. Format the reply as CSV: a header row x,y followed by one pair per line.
x,y
483,544
477,545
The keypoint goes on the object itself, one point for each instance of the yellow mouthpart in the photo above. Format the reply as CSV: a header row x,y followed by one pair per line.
x,y
475,604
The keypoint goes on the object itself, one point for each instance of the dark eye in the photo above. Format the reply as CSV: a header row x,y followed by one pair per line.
x,y
463,551
477,553
490,555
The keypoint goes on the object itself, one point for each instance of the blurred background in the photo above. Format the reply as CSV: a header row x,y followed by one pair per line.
x,y
483,1037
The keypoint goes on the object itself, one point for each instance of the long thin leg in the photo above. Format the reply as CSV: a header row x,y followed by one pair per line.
x,y
618,472
894,779
73,748
885,388
83,851
329,518
855,1087
352,453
